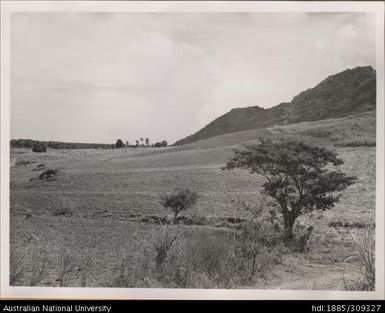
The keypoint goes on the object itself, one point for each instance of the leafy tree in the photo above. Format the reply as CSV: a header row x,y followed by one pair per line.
x,y
179,200
119,143
160,144
39,147
296,176
147,142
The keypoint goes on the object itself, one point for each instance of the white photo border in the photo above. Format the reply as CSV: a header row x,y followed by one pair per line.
x,y
9,7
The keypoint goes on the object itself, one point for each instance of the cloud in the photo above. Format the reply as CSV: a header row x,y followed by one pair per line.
x,y
100,76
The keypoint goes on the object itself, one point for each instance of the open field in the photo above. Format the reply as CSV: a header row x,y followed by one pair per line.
x,y
108,194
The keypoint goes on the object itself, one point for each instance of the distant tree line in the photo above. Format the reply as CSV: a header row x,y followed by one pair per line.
x,y
43,145
29,143
140,143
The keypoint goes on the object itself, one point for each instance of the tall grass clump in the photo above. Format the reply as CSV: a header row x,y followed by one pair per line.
x,y
42,264
205,261
67,268
135,268
16,267
362,263
63,206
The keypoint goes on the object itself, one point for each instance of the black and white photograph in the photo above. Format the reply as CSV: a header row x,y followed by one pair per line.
x,y
154,149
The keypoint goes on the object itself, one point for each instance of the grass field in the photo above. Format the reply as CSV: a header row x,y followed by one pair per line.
x,y
106,194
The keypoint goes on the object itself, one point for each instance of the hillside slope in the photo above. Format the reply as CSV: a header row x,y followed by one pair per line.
x,y
351,91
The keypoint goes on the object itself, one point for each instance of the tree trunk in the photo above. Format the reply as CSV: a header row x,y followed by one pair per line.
x,y
176,216
289,220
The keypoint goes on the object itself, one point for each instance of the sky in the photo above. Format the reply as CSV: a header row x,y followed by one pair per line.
x,y
97,77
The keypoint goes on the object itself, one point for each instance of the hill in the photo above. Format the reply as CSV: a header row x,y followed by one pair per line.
x,y
349,92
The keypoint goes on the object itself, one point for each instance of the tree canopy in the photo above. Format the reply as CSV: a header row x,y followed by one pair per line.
x,y
179,200
296,174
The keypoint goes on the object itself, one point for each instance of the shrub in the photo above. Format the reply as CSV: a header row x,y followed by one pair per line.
x,y
39,147
179,200
161,144
257,239
119,144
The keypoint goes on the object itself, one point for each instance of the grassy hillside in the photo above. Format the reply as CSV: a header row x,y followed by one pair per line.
x,y
349,92
358,129
111,197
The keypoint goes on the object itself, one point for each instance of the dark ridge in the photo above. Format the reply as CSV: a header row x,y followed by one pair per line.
x,y
348,92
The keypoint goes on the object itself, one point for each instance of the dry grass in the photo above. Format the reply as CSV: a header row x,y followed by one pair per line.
x,y
104,186
42,264
17,270
362,262
67,267
63,206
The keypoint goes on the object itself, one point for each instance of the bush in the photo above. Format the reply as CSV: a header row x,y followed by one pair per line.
x,y
39,147
161,144
119,144
259,243
179,200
